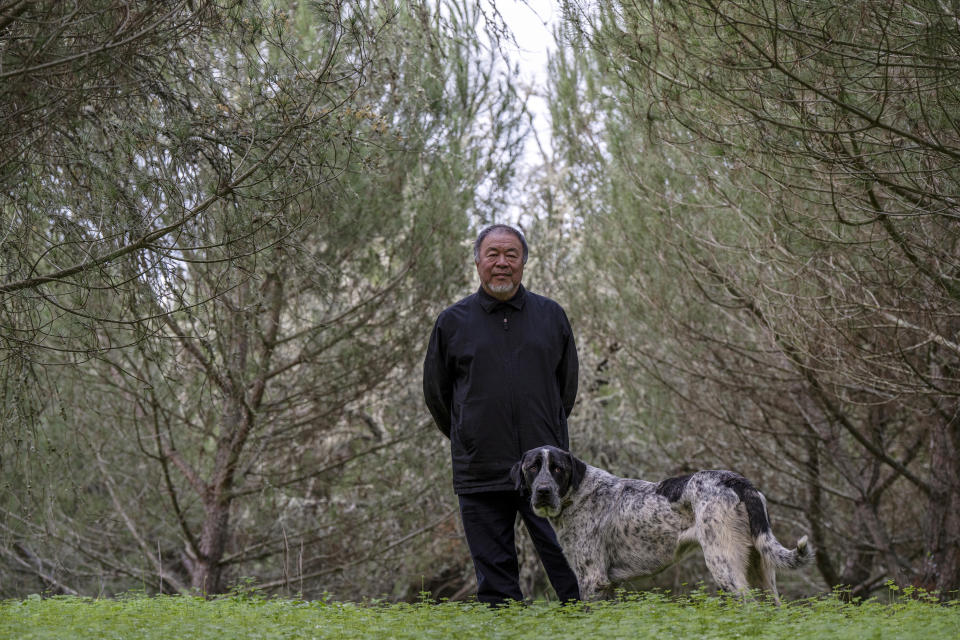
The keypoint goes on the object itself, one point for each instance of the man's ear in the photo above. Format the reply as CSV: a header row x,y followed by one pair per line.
x,y
519,479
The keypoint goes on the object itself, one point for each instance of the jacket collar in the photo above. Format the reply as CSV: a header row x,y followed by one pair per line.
x,y
489,303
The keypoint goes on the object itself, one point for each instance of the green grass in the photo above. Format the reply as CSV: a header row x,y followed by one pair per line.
x,y
650,615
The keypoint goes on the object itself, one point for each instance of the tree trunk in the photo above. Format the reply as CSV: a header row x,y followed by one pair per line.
x,y
206,572
941,566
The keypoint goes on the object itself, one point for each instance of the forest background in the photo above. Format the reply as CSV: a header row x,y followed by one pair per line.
x,y
226,229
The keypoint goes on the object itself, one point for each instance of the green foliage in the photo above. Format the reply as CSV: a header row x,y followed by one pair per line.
x,y
768,268
305,174
649,615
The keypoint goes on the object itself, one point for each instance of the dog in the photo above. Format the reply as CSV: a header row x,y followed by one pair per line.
x,y
615,529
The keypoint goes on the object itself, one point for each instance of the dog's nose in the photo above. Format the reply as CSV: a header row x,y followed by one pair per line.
x,y
543,492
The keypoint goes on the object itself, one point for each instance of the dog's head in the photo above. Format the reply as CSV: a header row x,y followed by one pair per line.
x,y
546,475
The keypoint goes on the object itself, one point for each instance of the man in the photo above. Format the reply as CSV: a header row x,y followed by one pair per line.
x,y
499,378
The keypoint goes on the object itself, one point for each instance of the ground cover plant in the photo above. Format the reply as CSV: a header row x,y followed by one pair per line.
x,y
651,614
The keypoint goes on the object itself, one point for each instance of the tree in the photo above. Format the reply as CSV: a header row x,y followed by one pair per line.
x,y
274,332
81,101
776,225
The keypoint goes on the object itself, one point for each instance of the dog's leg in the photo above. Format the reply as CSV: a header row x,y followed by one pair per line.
x,y
588,590
770,579
592,589
729,571
726,543
591,574
761,574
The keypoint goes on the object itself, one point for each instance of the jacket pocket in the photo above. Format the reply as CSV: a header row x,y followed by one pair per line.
x,y
485,433
460,440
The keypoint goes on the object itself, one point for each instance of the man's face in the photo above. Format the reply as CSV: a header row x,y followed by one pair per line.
x,y
500,266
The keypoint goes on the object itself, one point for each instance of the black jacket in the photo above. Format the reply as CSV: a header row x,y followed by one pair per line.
x,y
499,378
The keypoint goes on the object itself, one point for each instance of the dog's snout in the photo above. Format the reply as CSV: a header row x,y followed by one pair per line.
x,y
543,494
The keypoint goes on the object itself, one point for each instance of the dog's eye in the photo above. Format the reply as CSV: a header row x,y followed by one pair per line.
x,y
556,469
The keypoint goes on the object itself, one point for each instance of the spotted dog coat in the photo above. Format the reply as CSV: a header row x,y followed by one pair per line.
x,y
615,529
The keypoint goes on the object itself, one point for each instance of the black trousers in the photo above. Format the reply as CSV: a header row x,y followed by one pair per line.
x,y
488,521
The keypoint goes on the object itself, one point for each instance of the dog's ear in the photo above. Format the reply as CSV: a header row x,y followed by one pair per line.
x,y
578,469
518,478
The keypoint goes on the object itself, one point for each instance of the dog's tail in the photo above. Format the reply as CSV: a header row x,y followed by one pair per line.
x,y
782,557
764,540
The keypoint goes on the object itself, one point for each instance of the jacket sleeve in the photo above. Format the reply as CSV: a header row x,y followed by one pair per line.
x,y
437,382
569,367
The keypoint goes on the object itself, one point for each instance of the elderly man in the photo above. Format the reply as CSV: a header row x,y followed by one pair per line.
x,y
499,378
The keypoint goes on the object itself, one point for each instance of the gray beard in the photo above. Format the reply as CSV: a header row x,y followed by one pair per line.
x,y
501,288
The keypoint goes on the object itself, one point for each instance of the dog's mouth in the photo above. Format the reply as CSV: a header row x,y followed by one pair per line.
x,y
546,511
545,506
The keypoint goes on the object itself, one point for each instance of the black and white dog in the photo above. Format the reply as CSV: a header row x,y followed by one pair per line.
x,y
615,529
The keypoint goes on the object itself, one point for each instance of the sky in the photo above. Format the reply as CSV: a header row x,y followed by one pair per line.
x,y
532,23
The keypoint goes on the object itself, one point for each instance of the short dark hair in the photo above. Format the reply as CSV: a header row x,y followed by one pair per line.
x,y
499,227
